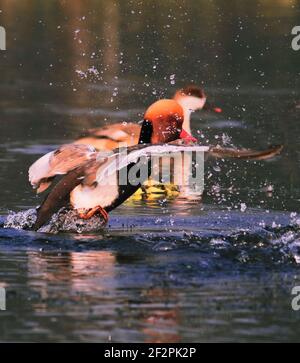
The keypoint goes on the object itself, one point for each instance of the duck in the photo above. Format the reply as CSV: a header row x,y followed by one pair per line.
x,y
191,98
91,183
80,164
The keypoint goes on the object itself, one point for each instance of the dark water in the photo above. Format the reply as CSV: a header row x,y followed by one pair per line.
x,y
164,271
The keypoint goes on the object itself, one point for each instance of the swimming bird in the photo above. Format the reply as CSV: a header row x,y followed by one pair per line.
x,y
91,182
81,164
190,98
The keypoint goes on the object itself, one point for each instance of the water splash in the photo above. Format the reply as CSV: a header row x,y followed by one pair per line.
x,y
21,220
64,221
229,236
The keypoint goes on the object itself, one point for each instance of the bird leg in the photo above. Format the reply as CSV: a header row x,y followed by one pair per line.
x,y
91,212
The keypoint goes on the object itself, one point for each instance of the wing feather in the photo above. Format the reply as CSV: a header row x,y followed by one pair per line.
x,y
117,132
246,154
59,162
131,155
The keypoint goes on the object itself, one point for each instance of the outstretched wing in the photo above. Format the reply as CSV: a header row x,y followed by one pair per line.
x,y
60,193
131,155
58,196
59,162
88,167
244,154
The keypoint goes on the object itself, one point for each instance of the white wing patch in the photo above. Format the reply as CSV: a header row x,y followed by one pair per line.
x,y
39,169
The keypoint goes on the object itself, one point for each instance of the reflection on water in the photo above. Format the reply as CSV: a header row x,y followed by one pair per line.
x,y
105,296
85,275
165,271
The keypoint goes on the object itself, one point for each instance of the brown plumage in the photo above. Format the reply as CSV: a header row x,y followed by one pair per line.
x,y
59,162
111,136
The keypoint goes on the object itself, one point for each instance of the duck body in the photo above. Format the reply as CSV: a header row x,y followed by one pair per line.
x,y
101,180
91,180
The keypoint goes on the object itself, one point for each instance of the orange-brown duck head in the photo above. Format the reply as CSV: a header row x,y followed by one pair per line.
x,y
163,122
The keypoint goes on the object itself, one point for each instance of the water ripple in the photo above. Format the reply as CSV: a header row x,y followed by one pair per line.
x,y
240,239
